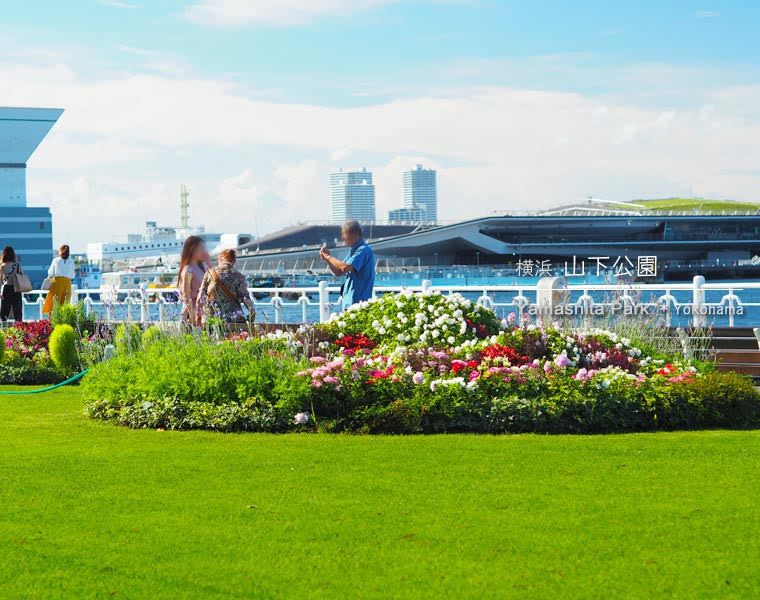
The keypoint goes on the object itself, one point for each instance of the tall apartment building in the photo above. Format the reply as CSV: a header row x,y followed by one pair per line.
x,y
352,196
420,192
420,198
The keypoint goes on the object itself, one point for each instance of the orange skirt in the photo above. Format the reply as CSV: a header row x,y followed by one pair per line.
x,y
60,291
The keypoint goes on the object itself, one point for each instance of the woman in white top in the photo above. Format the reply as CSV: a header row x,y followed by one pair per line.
x,y
61,272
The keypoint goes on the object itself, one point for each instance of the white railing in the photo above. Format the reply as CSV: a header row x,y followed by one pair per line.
x,y
697,303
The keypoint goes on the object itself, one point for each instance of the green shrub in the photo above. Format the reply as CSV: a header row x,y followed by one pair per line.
x,y
181,382
63,348
29,373
151,334
128,338
3,346
75,315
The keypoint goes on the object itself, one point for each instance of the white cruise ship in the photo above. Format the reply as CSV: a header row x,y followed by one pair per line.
x,y
159,244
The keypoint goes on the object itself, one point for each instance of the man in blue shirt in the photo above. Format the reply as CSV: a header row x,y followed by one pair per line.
x,y
359,266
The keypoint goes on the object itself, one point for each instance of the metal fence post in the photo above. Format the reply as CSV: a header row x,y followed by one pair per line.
x,y
144,312
324,302
277,304
699,318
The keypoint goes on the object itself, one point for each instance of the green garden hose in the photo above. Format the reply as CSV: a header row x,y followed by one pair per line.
x,y
52,387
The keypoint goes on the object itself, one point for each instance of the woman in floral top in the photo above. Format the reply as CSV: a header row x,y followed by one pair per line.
x,y
223,290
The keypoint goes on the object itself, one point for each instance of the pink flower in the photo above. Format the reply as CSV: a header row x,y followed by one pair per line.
x,y
547,367
418,377
317,359
331,379
561,361
581,375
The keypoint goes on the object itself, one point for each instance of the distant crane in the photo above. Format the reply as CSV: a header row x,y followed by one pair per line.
x,y
184,218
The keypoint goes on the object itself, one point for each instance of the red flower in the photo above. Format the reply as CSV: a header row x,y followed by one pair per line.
x,y
355,342
480,330
499,351
382,374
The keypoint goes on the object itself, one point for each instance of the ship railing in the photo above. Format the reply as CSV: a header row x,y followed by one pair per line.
x,y
697,303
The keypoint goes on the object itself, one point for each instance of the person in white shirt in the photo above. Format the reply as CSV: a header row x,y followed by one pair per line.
x,y
61,272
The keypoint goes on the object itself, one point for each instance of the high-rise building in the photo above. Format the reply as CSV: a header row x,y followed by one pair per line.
x,y
420,193
352,196
28,229
405,215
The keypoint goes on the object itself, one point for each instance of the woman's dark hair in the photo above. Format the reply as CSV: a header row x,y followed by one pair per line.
x,y
228,256
9,255
191,244
64,251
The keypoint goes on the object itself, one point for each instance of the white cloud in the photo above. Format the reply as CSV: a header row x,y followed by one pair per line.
x,y
706,14
118,4
125,143
228,13
134,50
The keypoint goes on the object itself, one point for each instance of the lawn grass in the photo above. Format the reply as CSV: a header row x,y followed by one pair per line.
x,y
94,510
704,205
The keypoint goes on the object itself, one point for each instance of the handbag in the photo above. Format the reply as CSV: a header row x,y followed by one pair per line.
x,y
47,283
19,280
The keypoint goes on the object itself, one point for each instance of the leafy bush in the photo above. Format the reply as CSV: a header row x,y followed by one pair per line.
x,y
63,348
182,382
29,373
75,315
128,338
151,334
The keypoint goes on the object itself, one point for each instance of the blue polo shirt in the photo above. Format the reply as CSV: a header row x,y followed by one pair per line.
x,y
359,282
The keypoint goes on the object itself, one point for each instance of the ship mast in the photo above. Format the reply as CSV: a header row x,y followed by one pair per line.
x,y
184,205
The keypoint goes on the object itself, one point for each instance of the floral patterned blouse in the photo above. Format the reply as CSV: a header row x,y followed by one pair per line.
x,y
212,301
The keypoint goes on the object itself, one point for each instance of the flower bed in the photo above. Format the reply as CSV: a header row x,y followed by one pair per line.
x,y
25,359
408,363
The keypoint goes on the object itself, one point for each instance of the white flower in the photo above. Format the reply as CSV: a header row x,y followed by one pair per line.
x,y
302,418
450,339
400,337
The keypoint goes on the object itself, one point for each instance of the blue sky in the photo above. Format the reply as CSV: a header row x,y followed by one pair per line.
x,y
252,102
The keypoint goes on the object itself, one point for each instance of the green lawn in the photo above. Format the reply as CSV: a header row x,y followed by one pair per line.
x,y
94,510
704,205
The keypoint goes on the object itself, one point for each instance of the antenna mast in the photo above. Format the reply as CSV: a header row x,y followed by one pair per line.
x,y
184,205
